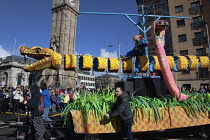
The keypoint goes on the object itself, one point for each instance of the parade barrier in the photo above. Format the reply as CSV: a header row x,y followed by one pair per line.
x,y
142,122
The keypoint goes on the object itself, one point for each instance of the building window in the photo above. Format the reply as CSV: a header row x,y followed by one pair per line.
x,y
19,79
195,4
165,10
187,86
186,72
199,39
179,9
163,1
201,52
197,19
184,52
182,38
199,34
203,73
180,23
195,8
197,23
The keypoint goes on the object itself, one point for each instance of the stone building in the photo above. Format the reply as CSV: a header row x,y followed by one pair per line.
x,y
184,36
11,71
86,79
106,80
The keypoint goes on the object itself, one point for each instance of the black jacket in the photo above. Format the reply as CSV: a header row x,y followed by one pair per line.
x,y
1,96
37,102
122,109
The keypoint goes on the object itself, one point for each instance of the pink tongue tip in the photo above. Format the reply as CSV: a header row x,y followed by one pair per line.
x,y
183,97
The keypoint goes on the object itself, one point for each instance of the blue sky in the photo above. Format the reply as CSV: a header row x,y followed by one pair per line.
x,y
28,22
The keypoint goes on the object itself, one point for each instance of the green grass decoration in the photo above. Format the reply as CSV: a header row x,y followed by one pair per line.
x,y
100,102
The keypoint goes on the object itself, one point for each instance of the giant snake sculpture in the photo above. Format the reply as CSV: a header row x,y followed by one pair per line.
x,y
50,59
158,33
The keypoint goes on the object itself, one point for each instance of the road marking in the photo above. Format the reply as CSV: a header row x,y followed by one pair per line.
x,y
30,114
4,126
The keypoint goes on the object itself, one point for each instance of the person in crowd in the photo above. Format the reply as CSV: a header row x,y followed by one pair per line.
x,y
83,90
201,90
11,90
11,87
194,90
6,99
122,110
27,98
66,100
17,98
26,90
53,99
61,97
21,105
206,89
76,94
36,105
71,94
1,99
66,90
47,102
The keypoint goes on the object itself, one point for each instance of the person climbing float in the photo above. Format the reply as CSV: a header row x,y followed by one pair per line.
x,y
139,48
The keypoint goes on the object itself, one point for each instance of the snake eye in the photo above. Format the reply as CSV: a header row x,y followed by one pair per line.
x,y
160,22
38,50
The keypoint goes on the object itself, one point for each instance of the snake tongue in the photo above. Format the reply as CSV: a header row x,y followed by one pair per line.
x,y
39,65
25,57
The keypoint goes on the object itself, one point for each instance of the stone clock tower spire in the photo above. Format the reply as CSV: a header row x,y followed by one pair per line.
x,y
63,37
64,21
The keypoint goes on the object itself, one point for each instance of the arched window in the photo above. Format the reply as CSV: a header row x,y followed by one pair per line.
x,y
20,78
5,79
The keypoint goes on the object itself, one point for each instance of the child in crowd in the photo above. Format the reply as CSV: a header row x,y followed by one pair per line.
x,y
53,100
61,97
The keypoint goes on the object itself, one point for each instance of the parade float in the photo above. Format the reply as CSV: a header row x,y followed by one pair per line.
x,y
180,110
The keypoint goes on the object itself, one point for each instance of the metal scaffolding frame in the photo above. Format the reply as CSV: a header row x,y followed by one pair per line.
x,y
142,21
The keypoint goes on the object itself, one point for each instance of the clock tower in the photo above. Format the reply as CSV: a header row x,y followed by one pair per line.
x,y
63,37
64,21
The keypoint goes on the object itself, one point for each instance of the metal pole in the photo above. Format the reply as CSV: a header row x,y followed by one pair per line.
x,y
14,50
119,45
207,35
101,13
119,72
145,36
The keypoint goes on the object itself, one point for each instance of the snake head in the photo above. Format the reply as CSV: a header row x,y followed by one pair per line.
x,y
47,58
158,32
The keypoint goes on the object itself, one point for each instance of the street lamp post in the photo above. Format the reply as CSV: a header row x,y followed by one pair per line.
x,y
118,49
119,45
208,41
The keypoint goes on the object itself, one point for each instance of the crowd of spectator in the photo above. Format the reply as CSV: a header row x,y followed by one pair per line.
x,y
202,89
12,99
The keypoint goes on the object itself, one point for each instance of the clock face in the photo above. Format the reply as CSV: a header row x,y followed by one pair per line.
x,y
60,1
72,2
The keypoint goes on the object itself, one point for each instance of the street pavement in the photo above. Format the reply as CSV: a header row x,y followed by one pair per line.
x,y
9,130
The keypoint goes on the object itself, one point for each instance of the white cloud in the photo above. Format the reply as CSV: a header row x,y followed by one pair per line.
x,y
3,52
75,52
107,54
